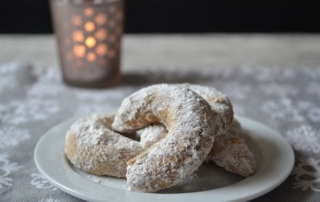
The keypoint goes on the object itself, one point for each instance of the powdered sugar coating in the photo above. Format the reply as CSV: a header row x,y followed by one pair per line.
x,y
219,103
94,148
221,108
151,135
231,152
189,122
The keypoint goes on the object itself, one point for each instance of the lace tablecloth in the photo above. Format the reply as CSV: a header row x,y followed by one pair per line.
x,y
33,99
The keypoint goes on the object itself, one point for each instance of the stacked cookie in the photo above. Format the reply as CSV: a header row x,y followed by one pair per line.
x,y
178,128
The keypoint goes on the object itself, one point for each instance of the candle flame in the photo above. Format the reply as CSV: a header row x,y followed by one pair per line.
x,y
90,42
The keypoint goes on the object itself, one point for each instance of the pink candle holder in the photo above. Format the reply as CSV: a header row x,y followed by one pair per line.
x,y
89,36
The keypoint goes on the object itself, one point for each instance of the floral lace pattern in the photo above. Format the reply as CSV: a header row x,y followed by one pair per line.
x,y
34,99
40,182
6,168
307,175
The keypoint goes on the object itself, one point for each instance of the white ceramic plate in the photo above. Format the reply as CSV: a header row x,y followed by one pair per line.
x,y
273,154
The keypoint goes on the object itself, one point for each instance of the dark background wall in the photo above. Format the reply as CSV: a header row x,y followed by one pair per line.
x,y
180,16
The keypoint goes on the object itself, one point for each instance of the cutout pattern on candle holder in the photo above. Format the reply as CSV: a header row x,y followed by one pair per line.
x,y
94,35
89,38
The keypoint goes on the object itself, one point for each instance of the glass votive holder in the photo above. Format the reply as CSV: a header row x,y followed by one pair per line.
x,y
89,36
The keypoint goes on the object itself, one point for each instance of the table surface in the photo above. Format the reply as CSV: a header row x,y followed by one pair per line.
x,y
274,79
187,51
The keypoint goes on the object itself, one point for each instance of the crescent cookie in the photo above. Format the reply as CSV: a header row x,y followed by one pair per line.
x,y
189,122
229,150
94,148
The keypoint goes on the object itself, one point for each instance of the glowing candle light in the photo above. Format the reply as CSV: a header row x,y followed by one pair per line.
x,y
79,51
89,37
100,19
89,26
101,34
77,36
102,49
90,42
91,57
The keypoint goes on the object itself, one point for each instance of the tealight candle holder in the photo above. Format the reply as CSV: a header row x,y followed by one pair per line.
x,y
89,36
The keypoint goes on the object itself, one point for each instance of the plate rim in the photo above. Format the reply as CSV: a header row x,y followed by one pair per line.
x,y
120,195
